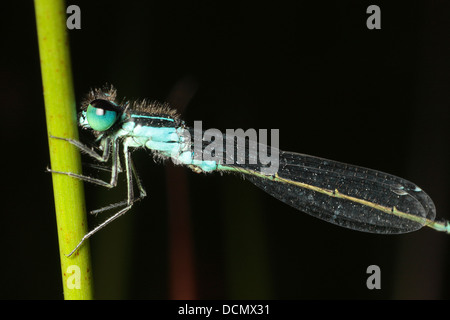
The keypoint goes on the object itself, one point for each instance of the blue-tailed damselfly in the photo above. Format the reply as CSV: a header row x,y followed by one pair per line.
x,y
350,196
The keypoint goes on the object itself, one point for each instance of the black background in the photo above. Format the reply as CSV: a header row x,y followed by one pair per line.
x,y
375,98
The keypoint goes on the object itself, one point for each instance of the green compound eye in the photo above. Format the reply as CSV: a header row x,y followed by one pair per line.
x,y
100,119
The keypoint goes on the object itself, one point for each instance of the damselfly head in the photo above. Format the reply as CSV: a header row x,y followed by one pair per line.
x,y
102,114
99,109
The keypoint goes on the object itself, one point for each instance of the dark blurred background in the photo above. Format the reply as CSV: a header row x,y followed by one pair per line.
x,y
334,89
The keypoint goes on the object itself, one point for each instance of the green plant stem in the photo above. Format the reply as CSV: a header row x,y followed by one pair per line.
x,y
61,122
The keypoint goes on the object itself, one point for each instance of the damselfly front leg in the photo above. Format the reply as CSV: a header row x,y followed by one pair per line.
x,y
129,170
105,145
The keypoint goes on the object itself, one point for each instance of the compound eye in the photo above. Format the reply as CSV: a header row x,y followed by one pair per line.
x,y
98,117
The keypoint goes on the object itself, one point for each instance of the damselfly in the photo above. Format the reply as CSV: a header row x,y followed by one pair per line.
x,y
349,196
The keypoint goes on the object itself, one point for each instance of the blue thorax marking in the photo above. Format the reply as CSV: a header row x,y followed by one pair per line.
x,y
169,141
147,120
152,117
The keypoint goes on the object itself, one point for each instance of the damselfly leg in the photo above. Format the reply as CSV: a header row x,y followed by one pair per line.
x,y
130,170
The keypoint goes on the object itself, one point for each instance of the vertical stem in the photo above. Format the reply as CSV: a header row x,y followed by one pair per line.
x,y
181,242
61,122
